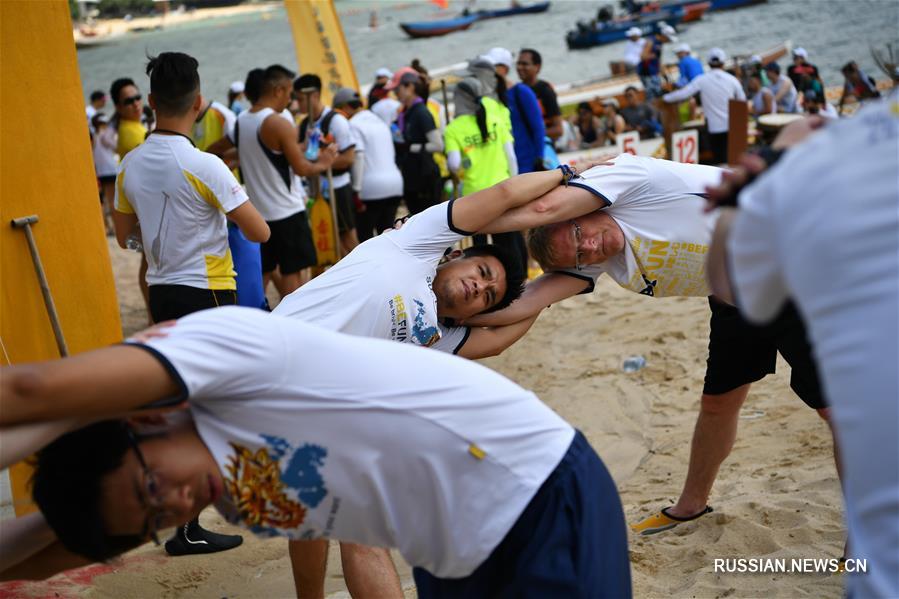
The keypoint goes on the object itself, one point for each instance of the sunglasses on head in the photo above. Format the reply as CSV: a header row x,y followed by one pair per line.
x,y
131,100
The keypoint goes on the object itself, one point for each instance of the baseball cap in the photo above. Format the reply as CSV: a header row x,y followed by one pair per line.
x,y
634,31
773,67
402,75
499,56
755,59
800,52
345,95
236,87
383,72
668,31
682,48
717,56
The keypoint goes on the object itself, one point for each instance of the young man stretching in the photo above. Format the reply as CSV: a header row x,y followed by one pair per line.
x,y
486,492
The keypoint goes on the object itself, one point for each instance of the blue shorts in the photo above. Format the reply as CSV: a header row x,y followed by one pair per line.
x,y
570,541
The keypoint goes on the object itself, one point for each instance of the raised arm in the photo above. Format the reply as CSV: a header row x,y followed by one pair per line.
x,y
559,204
540,293
478,210
278,134
103,382
492,341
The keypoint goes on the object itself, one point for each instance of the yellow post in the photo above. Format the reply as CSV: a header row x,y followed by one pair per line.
x,y
46,169
320,45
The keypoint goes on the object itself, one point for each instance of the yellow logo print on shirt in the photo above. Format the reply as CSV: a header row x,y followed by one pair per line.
x,y
254,484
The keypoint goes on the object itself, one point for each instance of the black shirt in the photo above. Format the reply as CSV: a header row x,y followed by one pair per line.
x,y
418,168
546,96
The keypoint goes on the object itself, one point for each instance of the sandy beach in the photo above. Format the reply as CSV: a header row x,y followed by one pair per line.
x,y
777,496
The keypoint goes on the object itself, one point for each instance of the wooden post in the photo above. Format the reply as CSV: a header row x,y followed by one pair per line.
x,y
738,115
670,123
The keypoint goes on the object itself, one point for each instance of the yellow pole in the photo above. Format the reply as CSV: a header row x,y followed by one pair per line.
x,y
46,169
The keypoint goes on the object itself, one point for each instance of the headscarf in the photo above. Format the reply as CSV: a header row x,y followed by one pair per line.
x,y
485,72
467,96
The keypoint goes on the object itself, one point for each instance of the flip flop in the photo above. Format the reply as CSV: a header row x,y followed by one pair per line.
x,y
663,521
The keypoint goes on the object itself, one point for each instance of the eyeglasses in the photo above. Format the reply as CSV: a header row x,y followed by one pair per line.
x,y
131,100
151,488
577,244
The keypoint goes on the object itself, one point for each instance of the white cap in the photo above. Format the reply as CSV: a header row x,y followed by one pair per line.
x,y
236,87
800,52
755,59
668,31
717,55
499,56
682,48
383,72
634,31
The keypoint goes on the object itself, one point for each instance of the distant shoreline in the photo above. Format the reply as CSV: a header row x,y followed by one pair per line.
x,y
105,29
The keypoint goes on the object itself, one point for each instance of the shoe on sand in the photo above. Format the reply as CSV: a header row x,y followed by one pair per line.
x,y
663,521
191,539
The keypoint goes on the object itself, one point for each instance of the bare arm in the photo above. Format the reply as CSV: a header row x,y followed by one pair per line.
x,y
559,204
250,222
103,382
124,224
784,89
280,135
478,210
540,293
554,127
487,342
22,440
344,159
221,147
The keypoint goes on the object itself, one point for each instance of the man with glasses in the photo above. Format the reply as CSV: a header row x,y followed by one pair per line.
x,y
486,492
648,231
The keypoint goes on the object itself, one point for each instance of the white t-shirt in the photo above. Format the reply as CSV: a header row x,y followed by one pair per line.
x,y
822,227
340,132
659,206
276,191
633,50
362,440
382,288
181,196
105,141
387,109
381,179
715,88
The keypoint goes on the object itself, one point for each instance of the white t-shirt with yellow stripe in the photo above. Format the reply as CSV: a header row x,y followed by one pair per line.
x,y
180,196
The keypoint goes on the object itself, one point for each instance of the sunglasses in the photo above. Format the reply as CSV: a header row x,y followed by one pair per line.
x,y
131,100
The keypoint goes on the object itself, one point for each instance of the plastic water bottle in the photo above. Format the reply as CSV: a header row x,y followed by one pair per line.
x,y
134,244
633,363
314,138
397,134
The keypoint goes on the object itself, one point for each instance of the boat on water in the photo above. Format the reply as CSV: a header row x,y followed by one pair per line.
x,y
436,28
467,19
588,36
714,4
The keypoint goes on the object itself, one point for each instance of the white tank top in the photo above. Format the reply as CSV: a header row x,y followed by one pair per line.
x,y
271,184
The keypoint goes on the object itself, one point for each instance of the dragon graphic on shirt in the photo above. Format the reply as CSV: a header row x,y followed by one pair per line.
x,y
267,497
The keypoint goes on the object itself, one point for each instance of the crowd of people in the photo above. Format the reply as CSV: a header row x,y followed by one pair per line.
x,y
482,488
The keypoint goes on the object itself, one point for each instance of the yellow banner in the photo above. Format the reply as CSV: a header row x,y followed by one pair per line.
x,y
320,45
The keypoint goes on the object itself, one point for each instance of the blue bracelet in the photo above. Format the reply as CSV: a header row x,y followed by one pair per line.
x,y
568,174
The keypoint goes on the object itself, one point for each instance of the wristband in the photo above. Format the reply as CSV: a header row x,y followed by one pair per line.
x,y
568,173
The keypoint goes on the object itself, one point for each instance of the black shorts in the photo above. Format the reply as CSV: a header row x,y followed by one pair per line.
x,y
346,210
741,353
290,245
168,302
106,179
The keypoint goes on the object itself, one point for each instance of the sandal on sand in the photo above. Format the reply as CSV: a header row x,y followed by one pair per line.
x,y
664,521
